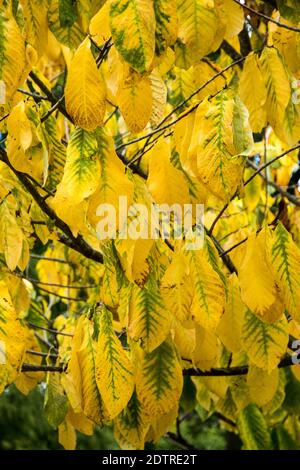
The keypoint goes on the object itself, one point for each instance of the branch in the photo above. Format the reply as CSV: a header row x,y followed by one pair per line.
x,y
53,108
262,15
231,52
226,259
36,96
231,371
50,96
234,246
64,297
41,354
159,128
265,165
63,286
77,243
47,258
180,441
50,330
42,368
214,372
289,196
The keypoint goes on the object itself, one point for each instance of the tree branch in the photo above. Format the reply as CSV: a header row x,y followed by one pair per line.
x,y
262,15
265,165
231,371
289,196
214,372
159,127
50,96
77,243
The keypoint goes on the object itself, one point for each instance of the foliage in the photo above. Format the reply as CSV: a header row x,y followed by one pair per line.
x,y
186,102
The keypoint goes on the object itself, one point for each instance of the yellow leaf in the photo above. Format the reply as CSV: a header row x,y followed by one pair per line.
x,y
254,97
14,339
149,321
67,435
207,349
114,374
230,327
134,98
99,25
160,425
159,98
80,422
12,53
166,183
209,294
35,14
82,169
198,24
132,25
234,18
258,286
11,237
278,87
131,426
85,89
262,386
176,288
19,127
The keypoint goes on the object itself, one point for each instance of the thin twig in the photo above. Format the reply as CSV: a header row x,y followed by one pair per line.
x,y
50,330
160,128
64,297
52,109
47,258
192,372
63,286
41,354
33,95
265,165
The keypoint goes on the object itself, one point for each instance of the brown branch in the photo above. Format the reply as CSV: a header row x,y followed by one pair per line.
x,y
268,18
265,165
42,368
234,246
77,243
49,95
50,330
41,354
290,197
4,117
214,372
53,108
231,52
225,257
63,286
180,441
47,258
64,297
231,371
36,96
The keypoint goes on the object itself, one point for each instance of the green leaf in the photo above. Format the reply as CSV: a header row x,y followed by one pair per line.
x,y
265,343
159,379
253,429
